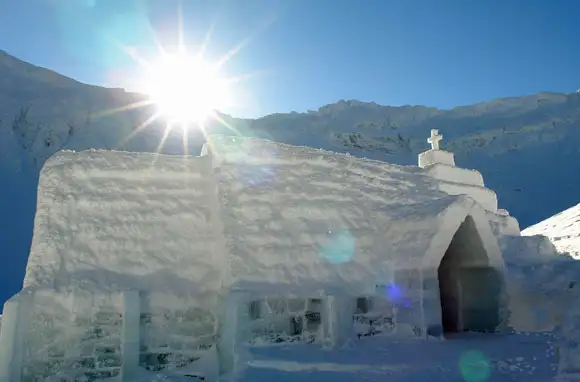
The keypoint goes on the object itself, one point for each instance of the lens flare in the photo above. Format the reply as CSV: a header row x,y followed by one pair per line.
x,y
393,293
340,247
474,366
255,161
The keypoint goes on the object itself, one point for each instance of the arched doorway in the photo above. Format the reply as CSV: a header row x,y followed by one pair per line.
x,y
469,288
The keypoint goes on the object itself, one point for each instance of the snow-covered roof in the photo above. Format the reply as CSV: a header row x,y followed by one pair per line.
x,y
563,229
284,215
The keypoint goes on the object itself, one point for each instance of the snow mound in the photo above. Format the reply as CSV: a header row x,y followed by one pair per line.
x,y
519,250
542,283
563,229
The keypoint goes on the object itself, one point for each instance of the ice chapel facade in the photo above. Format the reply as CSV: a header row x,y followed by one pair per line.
x,y
253,241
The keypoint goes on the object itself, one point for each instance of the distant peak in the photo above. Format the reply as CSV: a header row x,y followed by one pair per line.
x,y
355,102
343,104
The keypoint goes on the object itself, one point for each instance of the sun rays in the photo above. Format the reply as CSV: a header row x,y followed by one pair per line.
x,y
184,90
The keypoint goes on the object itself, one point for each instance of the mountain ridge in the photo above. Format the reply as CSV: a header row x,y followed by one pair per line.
x,y
7,59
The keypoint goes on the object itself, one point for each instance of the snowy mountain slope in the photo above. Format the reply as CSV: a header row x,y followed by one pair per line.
x,y
563,229
520,144
518,149
45,111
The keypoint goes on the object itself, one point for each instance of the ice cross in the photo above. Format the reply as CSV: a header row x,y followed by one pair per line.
x,y
434,139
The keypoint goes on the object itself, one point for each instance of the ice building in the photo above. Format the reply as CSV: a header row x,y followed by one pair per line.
x,y
144,263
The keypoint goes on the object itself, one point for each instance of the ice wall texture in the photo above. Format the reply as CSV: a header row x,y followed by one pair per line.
x,y
110,221
296,216
90,336
299,207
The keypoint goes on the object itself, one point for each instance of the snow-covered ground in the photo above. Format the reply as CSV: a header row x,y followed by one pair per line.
x,y
469,358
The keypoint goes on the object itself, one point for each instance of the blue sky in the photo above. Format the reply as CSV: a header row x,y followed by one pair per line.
x,y
302,54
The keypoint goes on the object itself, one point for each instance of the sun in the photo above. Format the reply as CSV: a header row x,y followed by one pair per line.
x,y
185,88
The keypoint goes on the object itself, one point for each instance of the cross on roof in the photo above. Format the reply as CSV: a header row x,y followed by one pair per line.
x,y
434,139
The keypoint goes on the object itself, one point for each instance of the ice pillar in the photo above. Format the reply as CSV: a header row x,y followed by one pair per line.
x,y
11,338
229,328
130,335
337,317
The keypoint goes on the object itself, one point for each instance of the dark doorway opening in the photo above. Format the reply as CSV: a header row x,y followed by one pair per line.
x,y
469,288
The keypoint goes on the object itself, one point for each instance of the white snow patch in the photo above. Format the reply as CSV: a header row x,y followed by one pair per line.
x,y
336,367
563,229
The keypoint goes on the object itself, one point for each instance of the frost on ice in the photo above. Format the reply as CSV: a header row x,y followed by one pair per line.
x,y
171,265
